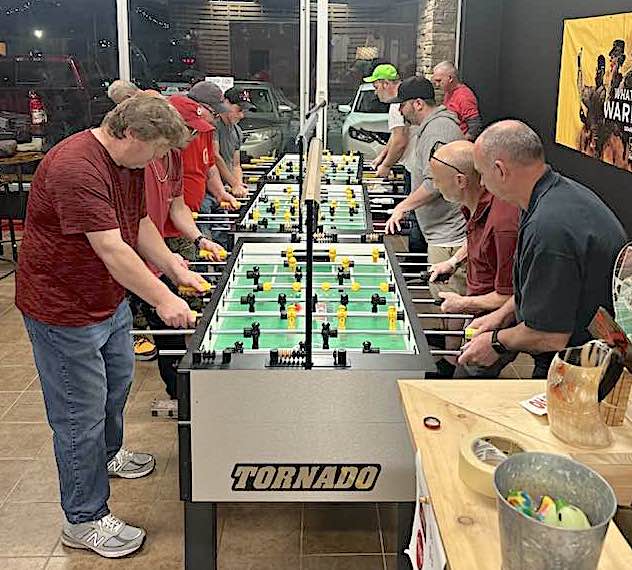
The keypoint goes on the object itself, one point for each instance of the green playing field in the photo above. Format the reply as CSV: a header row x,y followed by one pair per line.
x,y
361,323
277,204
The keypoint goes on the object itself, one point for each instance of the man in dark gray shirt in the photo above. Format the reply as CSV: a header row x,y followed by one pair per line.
x,y
568,242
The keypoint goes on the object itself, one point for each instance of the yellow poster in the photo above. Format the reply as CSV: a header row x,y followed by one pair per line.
x,y
594,110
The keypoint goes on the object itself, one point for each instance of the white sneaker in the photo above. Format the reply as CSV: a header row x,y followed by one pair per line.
x,y
109,537
129,465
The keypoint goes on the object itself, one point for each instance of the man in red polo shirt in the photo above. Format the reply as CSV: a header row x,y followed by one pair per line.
x,y
492,232
86,232
459,98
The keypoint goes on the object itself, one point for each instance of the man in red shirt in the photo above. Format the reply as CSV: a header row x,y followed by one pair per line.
x,y
201,176
459,98
492,233
86,228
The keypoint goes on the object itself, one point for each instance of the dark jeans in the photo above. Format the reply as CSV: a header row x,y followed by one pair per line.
x,y
416,241
211,206
167,365
86,373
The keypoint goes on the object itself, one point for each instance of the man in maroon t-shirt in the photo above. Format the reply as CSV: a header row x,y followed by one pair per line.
x,y
459,98
492,233
86,227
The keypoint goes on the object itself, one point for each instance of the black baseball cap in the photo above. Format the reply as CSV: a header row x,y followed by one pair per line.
x,y
240,97
414,88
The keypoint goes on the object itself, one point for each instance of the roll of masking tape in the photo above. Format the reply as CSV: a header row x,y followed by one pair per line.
x,y
481,453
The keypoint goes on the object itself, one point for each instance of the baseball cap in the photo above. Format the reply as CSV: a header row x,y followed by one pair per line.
x,y
210,94
384,71
414,88
240,97
191,111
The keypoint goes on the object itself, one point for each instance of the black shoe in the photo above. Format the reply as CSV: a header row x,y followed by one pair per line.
x,y
444,370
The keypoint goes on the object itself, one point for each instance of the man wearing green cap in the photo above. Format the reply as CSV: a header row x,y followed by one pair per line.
x,y
385,78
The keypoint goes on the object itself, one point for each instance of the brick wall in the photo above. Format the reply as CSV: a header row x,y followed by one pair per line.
x,y
436,35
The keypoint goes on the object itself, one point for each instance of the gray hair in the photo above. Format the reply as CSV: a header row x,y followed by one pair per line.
x,y
448,67
511,139
121,89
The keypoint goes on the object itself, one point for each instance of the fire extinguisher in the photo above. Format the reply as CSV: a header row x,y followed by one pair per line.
x,y
37,111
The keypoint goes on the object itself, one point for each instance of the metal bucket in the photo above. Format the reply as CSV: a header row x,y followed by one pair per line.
x,y
528,544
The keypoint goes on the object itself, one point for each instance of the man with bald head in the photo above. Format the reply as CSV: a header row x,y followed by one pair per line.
x,y
568,241
492,230
459,98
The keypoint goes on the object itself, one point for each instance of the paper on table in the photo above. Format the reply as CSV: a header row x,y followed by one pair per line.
x,y
536,404
425,549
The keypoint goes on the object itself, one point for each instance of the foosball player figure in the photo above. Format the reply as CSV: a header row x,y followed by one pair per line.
x,y
256,214
376,301
253,332
332,254
344,299
375,254
282,300
327,332
250,301
391,314
254,274
287,217
346,263
342,317
291,317
298,274
342,275
291,263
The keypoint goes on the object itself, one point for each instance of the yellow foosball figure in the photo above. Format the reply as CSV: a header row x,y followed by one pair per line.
x,y
342,317
332,254
346,263
375,254
391,314
291,317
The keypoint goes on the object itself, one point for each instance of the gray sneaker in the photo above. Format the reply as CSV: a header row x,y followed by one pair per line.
x,y
129,465
108,537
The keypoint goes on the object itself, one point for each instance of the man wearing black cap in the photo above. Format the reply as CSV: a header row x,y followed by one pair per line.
x,y
441,223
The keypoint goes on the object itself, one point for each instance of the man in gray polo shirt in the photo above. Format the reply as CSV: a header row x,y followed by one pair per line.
x,y
568,241
441,222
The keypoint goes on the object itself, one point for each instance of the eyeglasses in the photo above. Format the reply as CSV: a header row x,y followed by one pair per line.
x,y
433,151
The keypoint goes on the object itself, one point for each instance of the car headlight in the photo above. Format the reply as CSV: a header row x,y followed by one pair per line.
x,y
359,135
259,136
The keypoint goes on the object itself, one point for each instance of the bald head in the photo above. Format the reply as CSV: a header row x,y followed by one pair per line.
x,y
510,158
512,141
460,154
121,89
446,67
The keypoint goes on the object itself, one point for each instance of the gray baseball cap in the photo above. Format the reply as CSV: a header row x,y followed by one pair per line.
x,y
209,94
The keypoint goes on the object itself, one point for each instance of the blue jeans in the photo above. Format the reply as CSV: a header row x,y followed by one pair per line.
x,y
211,206
86,373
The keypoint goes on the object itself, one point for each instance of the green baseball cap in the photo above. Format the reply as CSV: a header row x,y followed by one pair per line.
x,y
384,71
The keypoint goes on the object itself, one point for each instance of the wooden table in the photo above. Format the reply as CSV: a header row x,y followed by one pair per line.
x,y
13,204
468,521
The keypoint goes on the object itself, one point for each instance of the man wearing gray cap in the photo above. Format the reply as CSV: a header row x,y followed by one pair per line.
x,y
227,137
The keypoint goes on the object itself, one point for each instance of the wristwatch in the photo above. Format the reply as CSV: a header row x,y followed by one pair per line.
x,y
498,346
197,240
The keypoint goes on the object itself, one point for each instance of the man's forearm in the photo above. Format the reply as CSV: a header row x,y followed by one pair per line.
x,y
214,184
521,338
151,246
225,171
474,127
396,147
477,304
182,218
127,268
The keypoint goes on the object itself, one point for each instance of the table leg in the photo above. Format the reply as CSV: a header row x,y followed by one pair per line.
x,y
200,536
14,243
405,515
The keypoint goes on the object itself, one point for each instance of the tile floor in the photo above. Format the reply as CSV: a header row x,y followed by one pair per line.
x,y
279,537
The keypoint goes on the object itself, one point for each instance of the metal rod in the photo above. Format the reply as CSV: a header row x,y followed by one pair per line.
x,y
315,332
429,332
445,352
418,288
162,332
207,263
443,316
172,352
408,254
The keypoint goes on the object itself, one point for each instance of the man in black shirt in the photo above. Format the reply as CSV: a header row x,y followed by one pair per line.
x,y
568,242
